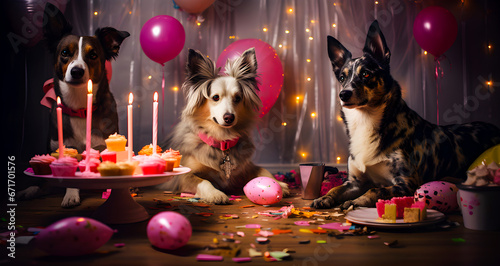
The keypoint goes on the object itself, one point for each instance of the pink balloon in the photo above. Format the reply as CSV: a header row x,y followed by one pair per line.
x,y
162,38
435,29
73,236
194,6
269,69
169,230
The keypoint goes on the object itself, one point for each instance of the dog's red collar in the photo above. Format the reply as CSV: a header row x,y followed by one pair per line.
x,y
82,113
223,145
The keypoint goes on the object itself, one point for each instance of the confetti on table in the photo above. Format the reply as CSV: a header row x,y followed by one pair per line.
x,y
262,240
252,252
321,241
373,237
305,241
302,223
207,257
119,245
242,259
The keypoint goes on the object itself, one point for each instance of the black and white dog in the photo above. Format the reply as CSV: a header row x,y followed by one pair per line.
x,y
392,149
76,60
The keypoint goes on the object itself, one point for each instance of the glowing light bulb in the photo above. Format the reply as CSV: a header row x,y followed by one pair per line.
x,y
287,31
376,2
264,29
150,77
290,10
425,52
334,25
308,78
96,13
313,114
280,45
284,124
175,88
489,46
313,21
304,155
308,60
488,83
311,38
308,30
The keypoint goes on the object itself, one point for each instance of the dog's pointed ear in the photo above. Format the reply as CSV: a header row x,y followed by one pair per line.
x,y
199,67
111,39
338,54
243,67
248,64
376,46
56,26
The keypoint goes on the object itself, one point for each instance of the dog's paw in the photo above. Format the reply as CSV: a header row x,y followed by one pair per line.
x,y
350,204
324,202
29,193
71,198
284,188
207,192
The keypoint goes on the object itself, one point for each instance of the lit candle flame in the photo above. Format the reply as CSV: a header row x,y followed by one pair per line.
x,y
155,96
58,101
130,98
89,86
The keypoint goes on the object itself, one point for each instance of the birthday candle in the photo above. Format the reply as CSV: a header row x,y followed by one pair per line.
x,y
130,126
155,121
89,124
60,128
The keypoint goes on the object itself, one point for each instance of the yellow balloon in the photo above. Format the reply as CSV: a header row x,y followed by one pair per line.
x,y
490,155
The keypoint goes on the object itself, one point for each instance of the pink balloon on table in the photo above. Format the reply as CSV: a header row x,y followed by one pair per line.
x,y
435,30
263,190
269,69
169,230
162,38
73,236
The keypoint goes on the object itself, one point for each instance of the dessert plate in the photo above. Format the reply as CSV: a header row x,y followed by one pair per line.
x,y
369,217
120,207
96,181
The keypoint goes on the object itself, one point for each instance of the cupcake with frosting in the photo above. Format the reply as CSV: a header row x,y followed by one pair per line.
x,y
93,154
108,156
148,150
108,168
93,162
41,164
174,154
127,168
152,165
116,142
68,152
65,166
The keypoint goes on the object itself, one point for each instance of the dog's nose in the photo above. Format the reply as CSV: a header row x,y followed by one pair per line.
x,y
77,72
228,118
345,95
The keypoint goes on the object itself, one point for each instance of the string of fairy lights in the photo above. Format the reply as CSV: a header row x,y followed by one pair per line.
x,y
309,28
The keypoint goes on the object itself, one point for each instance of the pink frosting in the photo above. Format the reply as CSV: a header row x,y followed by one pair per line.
x,y
45,158
70,161
93,154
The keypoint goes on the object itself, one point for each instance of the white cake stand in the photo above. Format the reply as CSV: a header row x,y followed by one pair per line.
x,y
120,207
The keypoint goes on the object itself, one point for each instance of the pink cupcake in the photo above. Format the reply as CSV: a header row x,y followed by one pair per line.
x,y
93,154
109,156
93,162
65,166
152,165
41,164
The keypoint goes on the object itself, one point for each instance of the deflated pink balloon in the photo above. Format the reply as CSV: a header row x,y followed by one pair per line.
x,y
269,69
73,236
169,230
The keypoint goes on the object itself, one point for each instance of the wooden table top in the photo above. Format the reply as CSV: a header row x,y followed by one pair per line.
x,y
441,244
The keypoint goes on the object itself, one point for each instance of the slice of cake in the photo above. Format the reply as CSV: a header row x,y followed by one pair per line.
x,y
422,207
389,215
411,215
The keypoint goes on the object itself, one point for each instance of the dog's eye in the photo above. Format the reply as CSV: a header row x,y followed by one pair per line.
x,y
341,78
92,55
216,98
237,99
365,74
65,53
